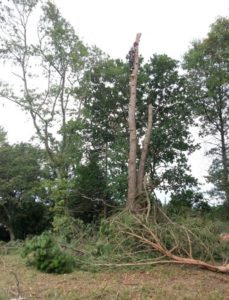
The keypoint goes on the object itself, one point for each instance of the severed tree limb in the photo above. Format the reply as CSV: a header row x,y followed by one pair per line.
x,y
184,261
156,244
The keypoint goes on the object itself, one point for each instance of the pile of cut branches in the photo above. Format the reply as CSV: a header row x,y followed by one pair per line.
x,y
190,242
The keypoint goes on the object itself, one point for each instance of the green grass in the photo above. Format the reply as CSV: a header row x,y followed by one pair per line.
x,y
159,282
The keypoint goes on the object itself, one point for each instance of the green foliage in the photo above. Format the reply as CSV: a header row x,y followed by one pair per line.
x,y
3,136
45,254
61,59
208,75
161,85
109,244
186,202
80,112
116,240
80,116
107,108
68,228
22,209
204,238
90,197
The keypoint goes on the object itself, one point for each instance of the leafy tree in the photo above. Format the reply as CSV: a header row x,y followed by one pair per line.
x,y
78,102
106,130
3,135
91,198
161,85
207,64
52,71
22,210
185,202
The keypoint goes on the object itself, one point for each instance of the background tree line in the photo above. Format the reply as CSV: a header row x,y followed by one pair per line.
x,y
77,99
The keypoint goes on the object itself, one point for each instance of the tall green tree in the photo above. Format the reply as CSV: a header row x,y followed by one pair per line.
x,y
107,130
160,84
52,66
207,65
49,61
3,134
22,197
91,198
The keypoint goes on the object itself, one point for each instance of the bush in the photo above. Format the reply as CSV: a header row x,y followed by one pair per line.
x,y
45,254
69,229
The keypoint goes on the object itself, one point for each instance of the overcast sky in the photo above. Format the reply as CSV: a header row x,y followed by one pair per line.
x,y
167,26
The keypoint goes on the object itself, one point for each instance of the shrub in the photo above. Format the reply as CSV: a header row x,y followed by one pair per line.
x,y
69,229
45,254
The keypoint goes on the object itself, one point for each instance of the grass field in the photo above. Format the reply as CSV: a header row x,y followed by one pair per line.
x,y
159,282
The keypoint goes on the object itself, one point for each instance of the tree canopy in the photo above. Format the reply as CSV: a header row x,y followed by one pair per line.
x,y
77,98
207,64
23,203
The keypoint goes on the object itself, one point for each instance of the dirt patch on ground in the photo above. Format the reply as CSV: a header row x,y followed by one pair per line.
x,y
159,282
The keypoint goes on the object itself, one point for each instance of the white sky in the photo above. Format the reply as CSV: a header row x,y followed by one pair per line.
x,y
167,26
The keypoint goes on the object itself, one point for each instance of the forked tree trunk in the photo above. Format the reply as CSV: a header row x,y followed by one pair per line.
x,y
132,176
145,147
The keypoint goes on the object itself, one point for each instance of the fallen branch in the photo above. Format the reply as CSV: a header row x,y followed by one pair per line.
x,y
192,262
149,236
17,294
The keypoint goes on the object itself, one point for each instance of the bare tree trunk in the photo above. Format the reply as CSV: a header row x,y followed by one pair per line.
x,y
105,207
135,179
225,179
145,147
134,65
11,233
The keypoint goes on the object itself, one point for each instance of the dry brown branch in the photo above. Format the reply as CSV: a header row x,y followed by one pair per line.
x,y
17,294
99,200
154,262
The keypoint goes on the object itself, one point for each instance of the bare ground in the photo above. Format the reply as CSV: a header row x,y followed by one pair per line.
x,y
158,282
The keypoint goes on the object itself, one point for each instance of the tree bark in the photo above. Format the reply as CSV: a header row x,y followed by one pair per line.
x,y
132,127
145,147
225,169
11,233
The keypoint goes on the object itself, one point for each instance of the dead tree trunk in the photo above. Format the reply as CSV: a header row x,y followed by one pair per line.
x,y
135,179
145,147
132,176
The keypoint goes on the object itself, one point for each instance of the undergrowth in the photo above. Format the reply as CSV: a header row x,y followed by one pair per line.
x,y
46,255
112,242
